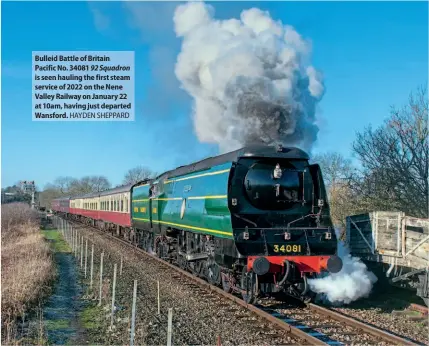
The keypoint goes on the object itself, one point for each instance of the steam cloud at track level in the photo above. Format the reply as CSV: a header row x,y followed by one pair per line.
x,y
352,282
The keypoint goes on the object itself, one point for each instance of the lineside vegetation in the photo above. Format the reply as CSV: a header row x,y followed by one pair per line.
x,y
27,267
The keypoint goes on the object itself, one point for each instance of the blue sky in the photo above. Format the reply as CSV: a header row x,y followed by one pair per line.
x,y
372,55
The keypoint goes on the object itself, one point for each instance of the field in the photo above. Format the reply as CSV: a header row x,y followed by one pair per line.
x,y
27,268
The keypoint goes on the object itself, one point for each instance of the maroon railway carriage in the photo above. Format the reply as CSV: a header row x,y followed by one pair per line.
x,y
61,205
108,210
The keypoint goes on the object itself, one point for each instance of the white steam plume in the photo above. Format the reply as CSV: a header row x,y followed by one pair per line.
x,y
250,78
354,281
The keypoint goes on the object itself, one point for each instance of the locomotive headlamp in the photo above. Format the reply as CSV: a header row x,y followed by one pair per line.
x,y
246,235
328,235
287,236
277,172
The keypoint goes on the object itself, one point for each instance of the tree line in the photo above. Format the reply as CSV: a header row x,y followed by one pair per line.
x,y
68,186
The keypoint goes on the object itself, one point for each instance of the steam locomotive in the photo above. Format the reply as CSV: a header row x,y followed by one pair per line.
x,y
255,221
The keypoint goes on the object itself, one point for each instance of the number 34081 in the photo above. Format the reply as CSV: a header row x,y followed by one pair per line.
x,y
287,248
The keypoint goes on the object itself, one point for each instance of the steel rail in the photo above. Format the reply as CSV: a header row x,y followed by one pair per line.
x,y
396,340
383,334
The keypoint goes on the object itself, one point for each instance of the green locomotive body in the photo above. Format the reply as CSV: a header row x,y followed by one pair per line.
x,y
247,220
196,202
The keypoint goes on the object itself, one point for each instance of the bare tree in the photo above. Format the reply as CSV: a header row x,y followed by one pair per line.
x,y
337,172
99,183
48,194
395,160
64,184
90,184
137,174
335,168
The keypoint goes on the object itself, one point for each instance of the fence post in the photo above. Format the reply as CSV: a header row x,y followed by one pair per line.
x,y
159,303
81,252
79,249
72,238
113,294
120,268
133,314
92,266
101,278
86,255
170,326
75,242
77,245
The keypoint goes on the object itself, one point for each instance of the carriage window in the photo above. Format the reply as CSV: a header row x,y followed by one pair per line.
x,y
126,205
122,205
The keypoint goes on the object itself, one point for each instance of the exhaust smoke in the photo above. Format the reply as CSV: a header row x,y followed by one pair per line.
x,y
249,78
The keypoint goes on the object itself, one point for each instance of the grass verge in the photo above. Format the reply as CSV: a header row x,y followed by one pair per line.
x,y
55,238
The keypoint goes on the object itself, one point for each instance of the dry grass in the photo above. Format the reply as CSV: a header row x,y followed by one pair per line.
x,y
27,266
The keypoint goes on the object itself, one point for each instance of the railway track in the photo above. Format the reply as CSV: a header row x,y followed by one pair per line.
x,y
314,324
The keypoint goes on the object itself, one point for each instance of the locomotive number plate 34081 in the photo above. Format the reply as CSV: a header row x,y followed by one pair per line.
x,y
287,248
